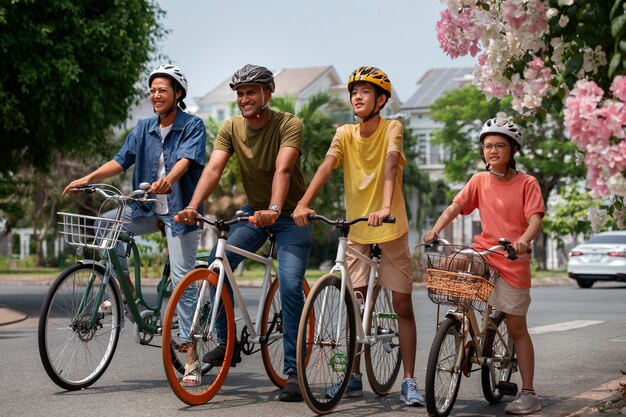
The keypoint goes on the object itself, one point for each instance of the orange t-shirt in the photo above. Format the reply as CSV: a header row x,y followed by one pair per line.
x,y
505,207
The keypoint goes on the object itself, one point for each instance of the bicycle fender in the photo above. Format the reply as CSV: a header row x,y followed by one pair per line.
x,y
90,262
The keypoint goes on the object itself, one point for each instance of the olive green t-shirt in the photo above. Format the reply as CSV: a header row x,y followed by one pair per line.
x,y
257,151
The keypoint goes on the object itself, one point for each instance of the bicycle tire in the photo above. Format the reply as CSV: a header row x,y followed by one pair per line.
x,y
73,353
383,358
212,376
502,369
442,378
331,358
272,350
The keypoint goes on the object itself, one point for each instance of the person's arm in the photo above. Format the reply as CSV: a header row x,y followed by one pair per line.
x,y
445,219
285,163
531,232
164,185
206,185
323,173
391,168
107,170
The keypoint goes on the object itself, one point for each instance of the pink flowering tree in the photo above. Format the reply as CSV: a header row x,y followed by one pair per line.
x,y
551,56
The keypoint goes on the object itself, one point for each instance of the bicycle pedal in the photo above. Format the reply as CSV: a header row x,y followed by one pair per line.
x,y
507,388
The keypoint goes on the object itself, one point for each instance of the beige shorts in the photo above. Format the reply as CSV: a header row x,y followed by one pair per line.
x,y
395,271
509,299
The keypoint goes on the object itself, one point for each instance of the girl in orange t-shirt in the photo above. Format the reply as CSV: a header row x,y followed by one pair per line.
x,y
511,206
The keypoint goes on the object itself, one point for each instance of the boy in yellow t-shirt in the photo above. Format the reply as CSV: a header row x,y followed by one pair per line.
x,y
372,157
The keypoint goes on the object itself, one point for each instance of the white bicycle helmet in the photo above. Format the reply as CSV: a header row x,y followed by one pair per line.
x,y
504,126
171,71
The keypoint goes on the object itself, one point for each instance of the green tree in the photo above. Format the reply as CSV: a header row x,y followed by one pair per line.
x,y
69,70
547,154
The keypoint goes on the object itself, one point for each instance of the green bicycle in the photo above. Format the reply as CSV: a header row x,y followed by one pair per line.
x,y
77,338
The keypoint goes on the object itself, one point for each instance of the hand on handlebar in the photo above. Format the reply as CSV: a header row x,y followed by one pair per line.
x,y
186,216
430,236
377,218
160,186
301,215
265,217
521,247
81,182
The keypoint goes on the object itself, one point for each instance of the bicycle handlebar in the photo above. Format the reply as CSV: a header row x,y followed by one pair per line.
x,y
343,222
110,192
219,223
504,244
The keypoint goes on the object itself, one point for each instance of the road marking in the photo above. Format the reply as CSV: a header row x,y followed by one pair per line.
x,y
561,327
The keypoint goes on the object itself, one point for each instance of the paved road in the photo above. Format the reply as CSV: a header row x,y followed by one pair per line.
x,y
570,365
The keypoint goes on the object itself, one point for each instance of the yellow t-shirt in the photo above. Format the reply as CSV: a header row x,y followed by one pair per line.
x,y
363,162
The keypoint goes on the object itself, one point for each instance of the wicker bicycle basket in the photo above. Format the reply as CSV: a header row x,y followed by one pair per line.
x,y
460,279
90,231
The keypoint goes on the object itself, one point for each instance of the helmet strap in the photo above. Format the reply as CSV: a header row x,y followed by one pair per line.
x,y
373,113
264,106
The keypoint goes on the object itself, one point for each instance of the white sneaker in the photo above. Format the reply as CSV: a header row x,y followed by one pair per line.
x,y
524,403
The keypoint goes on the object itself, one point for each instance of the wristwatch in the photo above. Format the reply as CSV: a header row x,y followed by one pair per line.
x,y
274,207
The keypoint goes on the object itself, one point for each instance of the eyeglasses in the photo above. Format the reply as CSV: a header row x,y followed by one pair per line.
x,y
498,146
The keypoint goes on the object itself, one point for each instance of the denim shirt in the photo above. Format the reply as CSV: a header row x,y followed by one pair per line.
x,y
186,139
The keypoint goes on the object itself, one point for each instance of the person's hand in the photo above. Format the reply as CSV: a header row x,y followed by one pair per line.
x,y
430,236
376,218
187,216
521,247
301,215
81,182
265,217
161,186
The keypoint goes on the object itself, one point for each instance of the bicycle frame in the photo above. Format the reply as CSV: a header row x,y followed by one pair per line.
x,y
346,285
224,269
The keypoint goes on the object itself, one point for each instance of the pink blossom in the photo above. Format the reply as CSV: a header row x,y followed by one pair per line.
x,y
618,88
456,33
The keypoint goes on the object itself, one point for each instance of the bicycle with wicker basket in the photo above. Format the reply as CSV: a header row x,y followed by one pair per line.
x,y
472,336
76,337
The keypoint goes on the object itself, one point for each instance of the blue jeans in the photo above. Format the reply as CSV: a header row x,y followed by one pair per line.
x,y
182,251
293,245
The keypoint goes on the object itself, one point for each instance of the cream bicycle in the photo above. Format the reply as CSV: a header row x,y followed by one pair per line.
x,y
327,344
213,298
465,343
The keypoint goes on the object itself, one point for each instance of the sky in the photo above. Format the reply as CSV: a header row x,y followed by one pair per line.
x,y
210,39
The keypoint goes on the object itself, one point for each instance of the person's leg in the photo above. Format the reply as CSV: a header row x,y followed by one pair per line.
x,y
518,330
527,401
407,331
137,227
182,252
293,247
396,273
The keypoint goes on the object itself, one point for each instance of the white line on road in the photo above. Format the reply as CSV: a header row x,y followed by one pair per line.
x,y
561,327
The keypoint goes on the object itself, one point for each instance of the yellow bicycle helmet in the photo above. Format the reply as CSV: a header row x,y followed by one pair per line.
x,y
371,75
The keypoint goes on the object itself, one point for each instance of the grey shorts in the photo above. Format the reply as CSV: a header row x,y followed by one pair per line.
x,y
509,299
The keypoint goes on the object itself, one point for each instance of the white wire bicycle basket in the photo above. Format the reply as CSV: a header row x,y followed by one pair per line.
x,y
90,231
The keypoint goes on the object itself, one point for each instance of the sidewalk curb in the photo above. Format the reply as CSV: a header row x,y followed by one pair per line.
x,y
10,316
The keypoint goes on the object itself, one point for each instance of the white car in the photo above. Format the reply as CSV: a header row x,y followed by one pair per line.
x,y
601,258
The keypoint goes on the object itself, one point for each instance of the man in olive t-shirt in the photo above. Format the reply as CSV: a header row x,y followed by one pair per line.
x,y
268,145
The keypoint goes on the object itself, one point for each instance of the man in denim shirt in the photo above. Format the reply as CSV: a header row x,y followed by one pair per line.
x,y
168,151
268,146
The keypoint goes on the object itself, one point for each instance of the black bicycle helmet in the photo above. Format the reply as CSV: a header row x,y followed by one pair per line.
x,y
253,74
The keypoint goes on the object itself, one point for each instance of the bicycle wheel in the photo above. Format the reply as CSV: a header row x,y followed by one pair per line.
x,y
272,327
324,378
382,359
503,362
212,376
443,377
74,351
